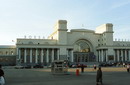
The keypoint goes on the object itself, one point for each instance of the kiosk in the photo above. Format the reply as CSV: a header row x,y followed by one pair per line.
x,y
59,67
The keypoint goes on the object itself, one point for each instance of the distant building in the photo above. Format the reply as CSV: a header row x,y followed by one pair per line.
x,y
7,55
78,45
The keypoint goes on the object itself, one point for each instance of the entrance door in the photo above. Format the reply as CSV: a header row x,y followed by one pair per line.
x,y
84,57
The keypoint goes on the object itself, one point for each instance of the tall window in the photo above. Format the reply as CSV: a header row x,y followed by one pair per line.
x,y
6,52
12,52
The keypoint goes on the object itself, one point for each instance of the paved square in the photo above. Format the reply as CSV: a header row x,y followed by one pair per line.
x,y
44,77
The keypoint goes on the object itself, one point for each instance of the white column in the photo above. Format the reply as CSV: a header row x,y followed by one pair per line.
x,y
114,55
99,55
129,54
102,55
47,56
36,57
72,56
19,56
96,55
52,59
31,55
68,57
118,57
17,53
106,55
58,54
125,55
42,55
25,55
122,55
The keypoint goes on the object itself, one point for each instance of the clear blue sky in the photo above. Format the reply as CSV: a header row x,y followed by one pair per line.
x,y
38,17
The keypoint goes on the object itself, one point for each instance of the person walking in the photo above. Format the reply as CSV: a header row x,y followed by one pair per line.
x,y
128,68
2,80
82,68
95,67
123,64
99,76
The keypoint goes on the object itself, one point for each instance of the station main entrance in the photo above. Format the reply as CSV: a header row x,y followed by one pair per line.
x,y
84,57
83,51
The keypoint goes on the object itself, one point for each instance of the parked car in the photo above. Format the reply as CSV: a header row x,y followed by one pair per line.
x,y
77,65
80,65
18,67
107,64
27,66
38,66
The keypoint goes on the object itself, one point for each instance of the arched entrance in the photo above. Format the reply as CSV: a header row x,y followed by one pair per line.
x,y
83,51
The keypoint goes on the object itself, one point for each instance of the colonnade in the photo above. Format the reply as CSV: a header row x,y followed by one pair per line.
x,y
122,54
41,55
37,55
118,55
48,55
102,55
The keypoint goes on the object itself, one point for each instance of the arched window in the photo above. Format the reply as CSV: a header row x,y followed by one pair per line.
x,y
12,52
81,46
6,52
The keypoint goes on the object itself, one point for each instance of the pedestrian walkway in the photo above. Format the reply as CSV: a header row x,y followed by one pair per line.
x,y
104,69
44,77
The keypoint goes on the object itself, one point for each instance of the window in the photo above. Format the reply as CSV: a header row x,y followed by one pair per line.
x,y
12,52
6,52
30,42
81,46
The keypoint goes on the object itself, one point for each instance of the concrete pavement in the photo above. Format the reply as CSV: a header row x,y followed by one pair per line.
x,y
44,77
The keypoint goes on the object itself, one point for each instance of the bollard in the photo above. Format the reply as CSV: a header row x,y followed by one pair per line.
x,y
77,72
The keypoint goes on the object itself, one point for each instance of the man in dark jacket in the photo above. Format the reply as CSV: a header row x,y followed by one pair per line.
x,y
82,68
2,81
1,71
99,76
